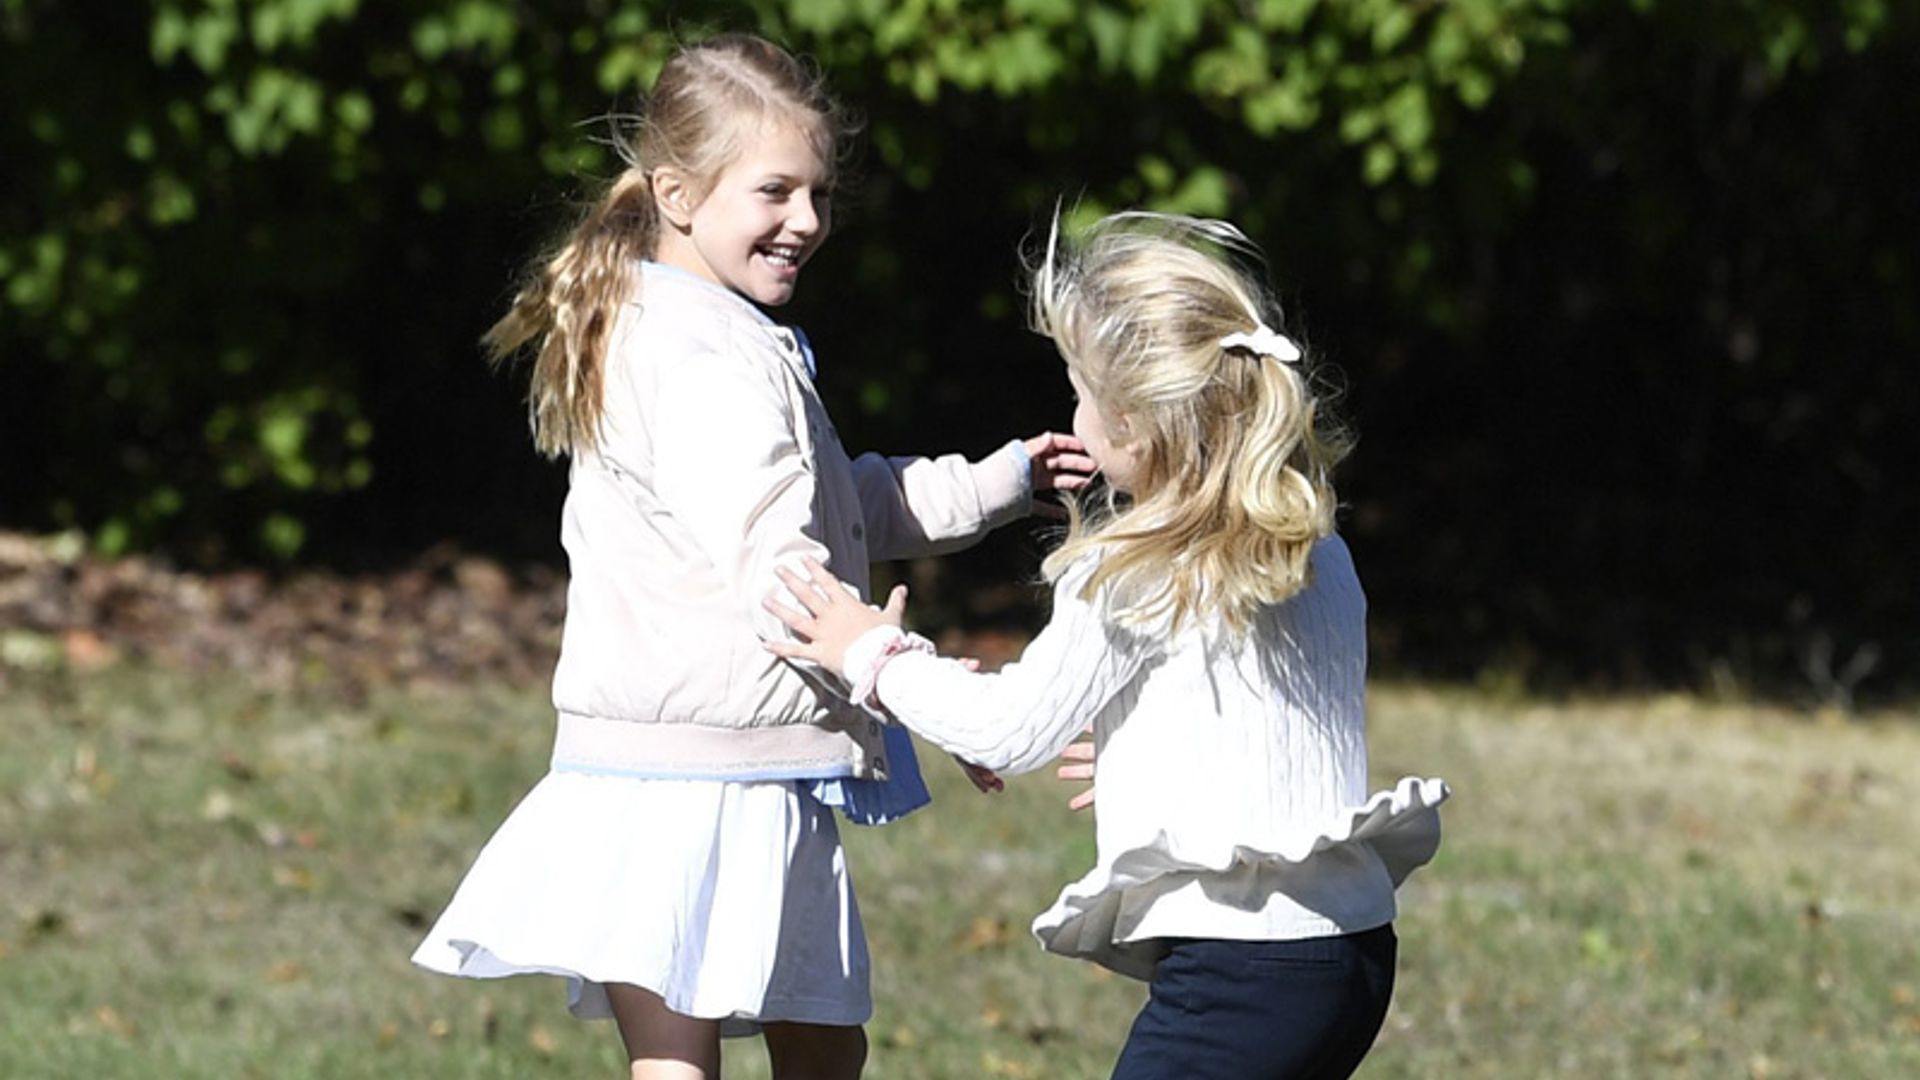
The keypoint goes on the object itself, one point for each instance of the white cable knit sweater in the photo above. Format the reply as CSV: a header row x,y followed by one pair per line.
x,y
1232,775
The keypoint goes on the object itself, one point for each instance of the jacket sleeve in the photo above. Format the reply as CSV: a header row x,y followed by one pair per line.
x,y
729,465
917,506
1022,716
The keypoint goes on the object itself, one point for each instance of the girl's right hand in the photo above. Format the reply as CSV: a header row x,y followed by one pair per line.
x,y
1078,757
984,780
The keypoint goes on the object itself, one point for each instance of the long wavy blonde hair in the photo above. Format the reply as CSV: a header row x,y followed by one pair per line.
x,y
1235,456
711,97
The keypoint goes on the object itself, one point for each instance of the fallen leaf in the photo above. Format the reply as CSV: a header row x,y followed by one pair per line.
x,y
542,1041
293,877
986,932
286,971
238,767
111,1021
439,1028
86,652
219,806
995,1065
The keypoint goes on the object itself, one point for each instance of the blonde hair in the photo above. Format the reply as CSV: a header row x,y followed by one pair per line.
x,y
710,99
1233,486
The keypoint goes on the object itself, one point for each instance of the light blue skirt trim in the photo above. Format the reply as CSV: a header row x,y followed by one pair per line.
x,y
862,802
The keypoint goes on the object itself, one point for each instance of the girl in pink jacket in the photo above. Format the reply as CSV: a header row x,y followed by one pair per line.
x,y
679,864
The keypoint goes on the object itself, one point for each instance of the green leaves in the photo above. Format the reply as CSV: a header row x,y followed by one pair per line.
x,y
246,236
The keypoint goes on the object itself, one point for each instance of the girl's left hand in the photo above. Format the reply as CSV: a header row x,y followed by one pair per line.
x,y
835,617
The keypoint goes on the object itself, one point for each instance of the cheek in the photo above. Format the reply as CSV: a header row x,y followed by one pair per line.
x,y
1084,429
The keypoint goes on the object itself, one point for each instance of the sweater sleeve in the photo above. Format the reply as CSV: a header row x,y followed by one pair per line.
x,y
1022,716
917,506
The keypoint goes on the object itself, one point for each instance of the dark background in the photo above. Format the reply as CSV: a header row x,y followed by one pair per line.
x,y
1620,298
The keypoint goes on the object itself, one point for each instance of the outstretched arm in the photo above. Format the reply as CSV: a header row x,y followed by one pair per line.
x,y
1010,721
917,506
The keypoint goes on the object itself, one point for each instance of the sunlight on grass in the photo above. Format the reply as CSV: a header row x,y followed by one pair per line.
x,y
199,879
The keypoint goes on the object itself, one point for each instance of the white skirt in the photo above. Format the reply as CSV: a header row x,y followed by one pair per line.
x,y
730,900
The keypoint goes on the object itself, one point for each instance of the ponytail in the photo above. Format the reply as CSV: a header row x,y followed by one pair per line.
x,y
568,309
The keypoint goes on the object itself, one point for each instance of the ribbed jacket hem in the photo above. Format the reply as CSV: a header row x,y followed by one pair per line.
x,y
696,751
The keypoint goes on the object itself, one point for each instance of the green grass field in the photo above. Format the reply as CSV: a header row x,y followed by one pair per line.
x,y
201,880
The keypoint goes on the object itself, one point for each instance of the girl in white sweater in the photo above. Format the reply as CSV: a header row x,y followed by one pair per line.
x,y
1209,625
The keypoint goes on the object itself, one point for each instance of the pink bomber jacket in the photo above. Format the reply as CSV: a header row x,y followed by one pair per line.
x,y
717,463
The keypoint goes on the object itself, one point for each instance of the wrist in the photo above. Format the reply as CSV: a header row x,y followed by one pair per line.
x,y
867,656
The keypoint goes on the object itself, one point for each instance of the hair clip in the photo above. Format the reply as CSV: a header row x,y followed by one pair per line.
x,y
1265,342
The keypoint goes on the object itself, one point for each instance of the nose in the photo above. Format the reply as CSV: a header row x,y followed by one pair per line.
x,y
804,220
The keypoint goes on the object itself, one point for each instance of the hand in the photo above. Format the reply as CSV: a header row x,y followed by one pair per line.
x,y
835,617
985,780
1059,463
1079,767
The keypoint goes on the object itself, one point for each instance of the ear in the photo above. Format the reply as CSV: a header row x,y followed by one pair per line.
x,y
673,196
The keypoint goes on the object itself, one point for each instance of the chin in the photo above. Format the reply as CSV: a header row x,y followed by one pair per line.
x,y
773,295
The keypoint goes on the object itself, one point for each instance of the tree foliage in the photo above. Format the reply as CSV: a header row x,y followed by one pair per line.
x,y
1622,292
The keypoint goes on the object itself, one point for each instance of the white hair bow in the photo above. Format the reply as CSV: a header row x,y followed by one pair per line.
x,y
1264,341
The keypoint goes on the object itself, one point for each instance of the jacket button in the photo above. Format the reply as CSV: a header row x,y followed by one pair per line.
x,y
873,727
858,531
880,763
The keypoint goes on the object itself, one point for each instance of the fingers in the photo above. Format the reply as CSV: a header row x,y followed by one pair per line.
x,y
795,620
1078,751
896,608
1081,801
1072,463
819,590
1053,442
807,592
985,780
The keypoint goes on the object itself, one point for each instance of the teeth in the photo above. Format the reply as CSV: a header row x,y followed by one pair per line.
x,y
786,256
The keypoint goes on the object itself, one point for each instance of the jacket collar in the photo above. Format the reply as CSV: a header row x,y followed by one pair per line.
x,y
694,289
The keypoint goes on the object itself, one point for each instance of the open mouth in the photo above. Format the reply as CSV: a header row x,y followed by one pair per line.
x,y
782,256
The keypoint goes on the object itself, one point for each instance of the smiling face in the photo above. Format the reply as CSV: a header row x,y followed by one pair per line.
x,y
1110,448
765,216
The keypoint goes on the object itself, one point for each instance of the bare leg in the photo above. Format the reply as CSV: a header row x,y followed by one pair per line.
x,y
662,1044
816,1051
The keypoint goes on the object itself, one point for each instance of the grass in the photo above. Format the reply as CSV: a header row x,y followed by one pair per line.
x,y
201,880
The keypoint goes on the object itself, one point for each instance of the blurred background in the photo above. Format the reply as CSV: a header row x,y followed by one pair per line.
x,y
1622,298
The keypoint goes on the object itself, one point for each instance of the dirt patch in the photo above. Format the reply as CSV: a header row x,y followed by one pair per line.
x,y
446,617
